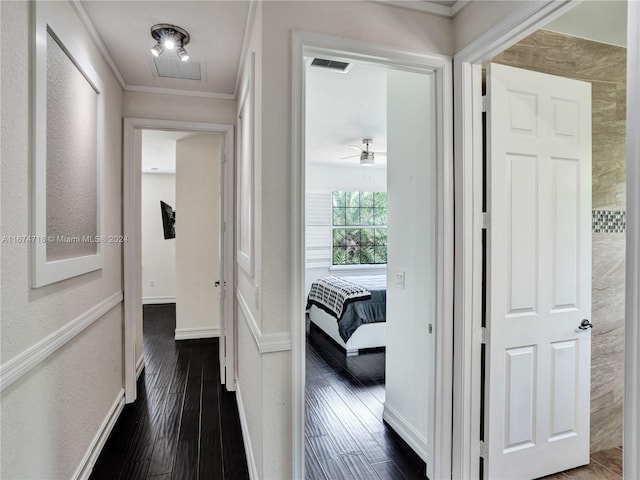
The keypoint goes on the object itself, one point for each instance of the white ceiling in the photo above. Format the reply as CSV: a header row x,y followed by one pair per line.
x,y
159,150
216,29
342,109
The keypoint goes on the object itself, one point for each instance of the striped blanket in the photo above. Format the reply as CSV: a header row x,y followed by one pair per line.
x,y
333,294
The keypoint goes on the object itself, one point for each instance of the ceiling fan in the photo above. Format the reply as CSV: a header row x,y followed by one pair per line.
x,y
366,156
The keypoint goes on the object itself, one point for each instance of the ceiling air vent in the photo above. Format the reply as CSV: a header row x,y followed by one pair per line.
x,y
331,64
174,68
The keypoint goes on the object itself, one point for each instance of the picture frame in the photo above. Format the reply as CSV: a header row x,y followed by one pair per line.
x,y
68,127
245,186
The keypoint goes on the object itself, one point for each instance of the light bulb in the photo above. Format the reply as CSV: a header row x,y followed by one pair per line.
x,y
182,54
169,43
157,50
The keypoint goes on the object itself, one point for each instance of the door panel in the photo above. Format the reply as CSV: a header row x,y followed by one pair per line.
x,y
538,274
522,224
564,395
520,398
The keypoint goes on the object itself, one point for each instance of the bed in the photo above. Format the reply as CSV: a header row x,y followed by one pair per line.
x,y
351,310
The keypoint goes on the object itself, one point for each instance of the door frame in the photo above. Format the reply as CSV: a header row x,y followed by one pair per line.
x,y
468,224
308,44
131,218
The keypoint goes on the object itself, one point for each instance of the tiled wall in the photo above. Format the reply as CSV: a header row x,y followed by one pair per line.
x,y
604,66
608,221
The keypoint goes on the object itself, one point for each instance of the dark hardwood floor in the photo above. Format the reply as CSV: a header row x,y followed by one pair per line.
x,y
345,437
184,424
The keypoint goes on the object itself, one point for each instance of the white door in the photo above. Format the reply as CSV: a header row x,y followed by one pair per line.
x,y
225,332
538,274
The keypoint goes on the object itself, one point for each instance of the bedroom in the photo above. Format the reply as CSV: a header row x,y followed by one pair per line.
x,y
367,134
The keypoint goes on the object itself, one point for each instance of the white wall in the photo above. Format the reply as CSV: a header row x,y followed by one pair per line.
x,y
158,254
198,236
160,106
411,239
368,179
265,315
50,415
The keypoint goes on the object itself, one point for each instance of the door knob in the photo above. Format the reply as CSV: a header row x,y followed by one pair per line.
x,y
585,325
217,283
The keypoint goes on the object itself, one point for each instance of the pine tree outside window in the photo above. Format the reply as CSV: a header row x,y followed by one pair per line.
x,y
359,228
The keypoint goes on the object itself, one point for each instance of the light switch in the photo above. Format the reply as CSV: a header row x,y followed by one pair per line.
x,y
400,279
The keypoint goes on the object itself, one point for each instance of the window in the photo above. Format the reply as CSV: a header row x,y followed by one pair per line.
x,y
359,228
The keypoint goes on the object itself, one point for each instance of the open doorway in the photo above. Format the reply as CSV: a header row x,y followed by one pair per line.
x,y
592,418
397,393
346,251
204,187
182,168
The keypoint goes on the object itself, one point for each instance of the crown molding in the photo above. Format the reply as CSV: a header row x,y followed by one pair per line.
x,y
93,33
175,91
248,28
425,6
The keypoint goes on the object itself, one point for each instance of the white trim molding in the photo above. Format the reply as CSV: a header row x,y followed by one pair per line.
x,y
439,66
22,363
266,342
158,300
248,28
95,36
131,221
406,431
426,6
632,314
246,438
50,27
195,333
529,17
89,460
183,93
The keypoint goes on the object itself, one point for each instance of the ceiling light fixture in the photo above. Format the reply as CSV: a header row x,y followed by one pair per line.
x,y
168,37
367,157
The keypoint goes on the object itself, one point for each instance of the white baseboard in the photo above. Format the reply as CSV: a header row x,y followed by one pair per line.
x,y
139,366
86,466
409,434
195,333
157,300
246,439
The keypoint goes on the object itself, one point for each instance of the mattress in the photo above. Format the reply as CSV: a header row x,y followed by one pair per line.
x,y
358,311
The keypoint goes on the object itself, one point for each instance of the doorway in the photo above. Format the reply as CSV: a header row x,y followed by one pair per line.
x,y
132,173
602,428
429,439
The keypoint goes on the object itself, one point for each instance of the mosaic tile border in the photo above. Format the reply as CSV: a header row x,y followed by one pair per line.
x,y
608,221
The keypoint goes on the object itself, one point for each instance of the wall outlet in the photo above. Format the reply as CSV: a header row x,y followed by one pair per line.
x,y
152,283
399,279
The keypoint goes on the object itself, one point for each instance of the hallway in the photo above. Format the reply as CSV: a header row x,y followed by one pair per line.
x,y
184,424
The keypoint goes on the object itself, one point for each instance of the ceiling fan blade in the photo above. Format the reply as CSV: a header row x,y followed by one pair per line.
x,y
350,156
356,147
380,153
